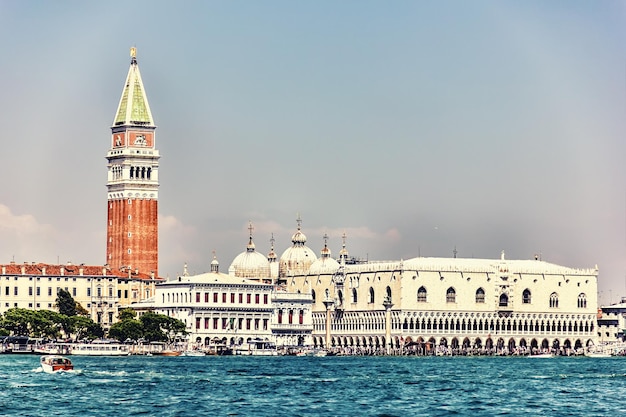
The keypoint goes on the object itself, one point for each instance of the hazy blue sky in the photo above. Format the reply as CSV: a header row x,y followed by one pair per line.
x,y
415,127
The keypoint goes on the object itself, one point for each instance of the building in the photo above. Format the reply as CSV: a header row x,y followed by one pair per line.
x,y
133,181
225,309
102,291
612,322
504,305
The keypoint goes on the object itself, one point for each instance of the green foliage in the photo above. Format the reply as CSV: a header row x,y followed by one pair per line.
x,y
47,323
126,329
127,313
66,303
150,326
85,328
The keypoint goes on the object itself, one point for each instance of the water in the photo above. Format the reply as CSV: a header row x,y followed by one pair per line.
x,y
315,386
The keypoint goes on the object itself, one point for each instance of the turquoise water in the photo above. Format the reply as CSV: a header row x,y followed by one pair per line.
x,y
312,386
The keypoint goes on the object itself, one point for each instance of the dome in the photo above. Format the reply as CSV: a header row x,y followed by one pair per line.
x,y
250,264
298,258
325,264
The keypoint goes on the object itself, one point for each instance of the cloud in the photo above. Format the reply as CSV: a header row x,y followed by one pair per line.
x,y
23,237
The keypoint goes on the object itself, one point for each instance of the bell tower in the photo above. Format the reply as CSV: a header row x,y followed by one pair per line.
x,y
133,181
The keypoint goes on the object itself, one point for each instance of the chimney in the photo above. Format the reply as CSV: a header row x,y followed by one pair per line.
x,y
62,270
43,270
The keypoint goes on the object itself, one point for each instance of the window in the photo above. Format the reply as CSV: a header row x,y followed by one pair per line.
x,y
224,323
451,295
504,300
554,300
264,324
38,292
480,296
15,290
206,322
301,317
248,321
371,300
290,316
110,317
215,297
206,297
232,297
30,291
354,296
240,299
248,298
197,322
280,316
582,300
215,322
256,298
7,289
526,296
223,297
197,297
256,324
422,295
88,291
313,296
264,298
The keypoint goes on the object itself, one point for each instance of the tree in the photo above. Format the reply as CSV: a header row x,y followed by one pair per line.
x,y
66,303
161,328
86,328
127,313
126,329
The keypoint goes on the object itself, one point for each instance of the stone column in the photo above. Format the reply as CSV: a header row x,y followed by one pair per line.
x,y
328,303
388,304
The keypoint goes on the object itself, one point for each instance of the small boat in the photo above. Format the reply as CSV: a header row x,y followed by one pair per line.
x,y
55,363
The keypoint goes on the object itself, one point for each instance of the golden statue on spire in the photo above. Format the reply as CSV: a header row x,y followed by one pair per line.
x,y
133,52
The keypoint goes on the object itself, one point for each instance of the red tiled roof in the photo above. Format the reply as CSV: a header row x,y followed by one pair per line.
x,y
71,270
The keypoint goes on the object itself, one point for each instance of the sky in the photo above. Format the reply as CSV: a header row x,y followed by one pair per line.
x,y
416,128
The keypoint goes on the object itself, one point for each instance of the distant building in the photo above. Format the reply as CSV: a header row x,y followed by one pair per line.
x,y
612,322
225,309
449,302
102,291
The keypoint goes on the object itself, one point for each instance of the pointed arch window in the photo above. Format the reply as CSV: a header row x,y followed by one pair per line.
x,y
450,295
371,300
388,293
480,296
422,295
313,295
582,300
526,296
554,300
354,295
504,300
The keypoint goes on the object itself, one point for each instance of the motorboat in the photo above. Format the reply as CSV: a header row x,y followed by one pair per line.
x,y
55,363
